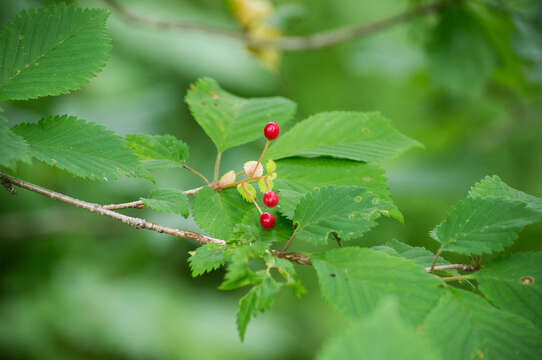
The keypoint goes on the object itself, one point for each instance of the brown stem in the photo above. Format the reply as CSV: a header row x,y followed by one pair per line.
x,y
253,200
194,171
138,223
293,257
240,182
292,43
462,267
129,205
260,158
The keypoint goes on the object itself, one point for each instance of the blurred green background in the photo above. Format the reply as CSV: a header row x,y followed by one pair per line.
x,y
74,285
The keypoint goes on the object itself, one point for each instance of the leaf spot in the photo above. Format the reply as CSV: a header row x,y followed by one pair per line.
x,y
332,275
375,201
365,130
214,95
352,216
367,178
358,198
527,280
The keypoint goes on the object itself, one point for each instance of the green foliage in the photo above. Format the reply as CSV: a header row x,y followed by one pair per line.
x,y
219,212
230,120
298,176
483,225
341,134
206,258
493,186
347,211
51,51
168,200
364,339
354,280
419,255
464,326
82,148
265,287
258,299
14,148
158,151
513,283
461,59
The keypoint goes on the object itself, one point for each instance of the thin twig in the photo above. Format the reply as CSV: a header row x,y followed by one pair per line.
x,y
7,185
129,205
292,43
462,267
456,278
138,223
293,257
235,183
194,171
217,165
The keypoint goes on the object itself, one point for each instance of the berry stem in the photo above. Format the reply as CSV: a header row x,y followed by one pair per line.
x,y
253,200
241,181
266,182
261,157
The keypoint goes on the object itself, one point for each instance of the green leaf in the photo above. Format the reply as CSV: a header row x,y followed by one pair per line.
x,y
218,212
158,151
461,59
514,284
353,280
247,192
52,51
493,186
14,148
347,211
419,255
168,200
258,299
483,225
464,326
83,149
298,176
238,272
230,120
206,258
383,335
342,134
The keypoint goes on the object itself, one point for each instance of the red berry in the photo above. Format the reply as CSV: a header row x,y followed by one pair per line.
x,y
270,199
271,130
267,220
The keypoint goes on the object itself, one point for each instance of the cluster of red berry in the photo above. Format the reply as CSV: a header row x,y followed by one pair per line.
x,y
270,198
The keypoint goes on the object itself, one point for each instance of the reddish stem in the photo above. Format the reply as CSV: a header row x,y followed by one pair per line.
x,y
251,198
